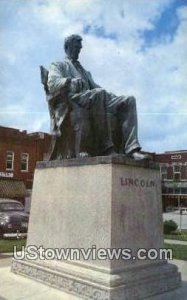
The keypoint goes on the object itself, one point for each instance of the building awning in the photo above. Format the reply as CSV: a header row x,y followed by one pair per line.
x,y
175,184
12,188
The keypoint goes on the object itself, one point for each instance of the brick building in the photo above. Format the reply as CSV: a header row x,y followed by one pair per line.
x,y
173,171
19,152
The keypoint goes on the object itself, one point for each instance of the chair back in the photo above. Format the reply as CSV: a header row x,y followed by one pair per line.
x,y
44,78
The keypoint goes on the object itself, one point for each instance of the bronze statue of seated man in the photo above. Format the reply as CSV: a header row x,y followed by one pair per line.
x,y
76,131
110,121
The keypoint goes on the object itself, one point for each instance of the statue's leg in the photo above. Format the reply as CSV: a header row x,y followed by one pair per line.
x,y
101,125
125,110
55,151
81,129
76,123
95,102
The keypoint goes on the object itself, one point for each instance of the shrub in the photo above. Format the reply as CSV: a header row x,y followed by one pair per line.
x,y
169,226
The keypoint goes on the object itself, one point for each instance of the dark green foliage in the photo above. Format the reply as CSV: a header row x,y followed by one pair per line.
x,y
170,226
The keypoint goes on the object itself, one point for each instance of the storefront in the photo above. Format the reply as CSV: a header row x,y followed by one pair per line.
x,y
13,189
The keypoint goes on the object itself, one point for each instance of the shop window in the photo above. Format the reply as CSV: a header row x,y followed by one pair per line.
x,y
177,172
164,190
170,172
163,172
176,169
170,191
10,160
177,191
184,190
177,176
24,161
185,171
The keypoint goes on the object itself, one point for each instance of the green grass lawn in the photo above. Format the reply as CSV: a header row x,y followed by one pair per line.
x,y
6,245
181,236
179,251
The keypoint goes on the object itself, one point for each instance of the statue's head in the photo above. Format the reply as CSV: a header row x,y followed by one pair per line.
x,y
72,46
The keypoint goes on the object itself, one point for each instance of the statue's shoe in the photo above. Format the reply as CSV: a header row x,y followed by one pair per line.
x,y
139,156
83,155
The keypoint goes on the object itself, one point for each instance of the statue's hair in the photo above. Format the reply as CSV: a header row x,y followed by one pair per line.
x,y
68,40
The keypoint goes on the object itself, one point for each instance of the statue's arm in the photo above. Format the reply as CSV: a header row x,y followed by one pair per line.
x,y
57,78
94,85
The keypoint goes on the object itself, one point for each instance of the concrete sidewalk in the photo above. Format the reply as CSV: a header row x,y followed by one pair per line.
x,y
176,242
16,287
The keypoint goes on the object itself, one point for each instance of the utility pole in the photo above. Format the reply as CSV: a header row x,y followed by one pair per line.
x,y
180,211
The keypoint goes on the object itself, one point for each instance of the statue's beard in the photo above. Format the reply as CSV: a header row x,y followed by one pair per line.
x,y
74,55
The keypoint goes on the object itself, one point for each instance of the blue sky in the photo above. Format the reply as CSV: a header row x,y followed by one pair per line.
x,y
132,47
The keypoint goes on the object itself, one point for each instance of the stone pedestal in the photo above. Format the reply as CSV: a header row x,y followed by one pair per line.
x,y
95,205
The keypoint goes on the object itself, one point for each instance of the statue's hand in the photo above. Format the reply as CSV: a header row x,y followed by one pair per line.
x,y
77,85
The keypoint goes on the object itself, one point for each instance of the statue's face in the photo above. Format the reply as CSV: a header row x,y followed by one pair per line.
x,y
74,49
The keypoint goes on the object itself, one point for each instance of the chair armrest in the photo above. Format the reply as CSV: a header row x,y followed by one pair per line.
x,y
57,97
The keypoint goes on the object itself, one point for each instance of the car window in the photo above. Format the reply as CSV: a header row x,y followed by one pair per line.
x,y
11,206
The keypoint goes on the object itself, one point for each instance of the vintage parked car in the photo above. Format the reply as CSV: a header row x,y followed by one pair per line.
x,y
13,219
181,211
171,209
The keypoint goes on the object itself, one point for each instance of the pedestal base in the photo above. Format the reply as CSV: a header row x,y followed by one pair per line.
x,y
131,284
106,203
